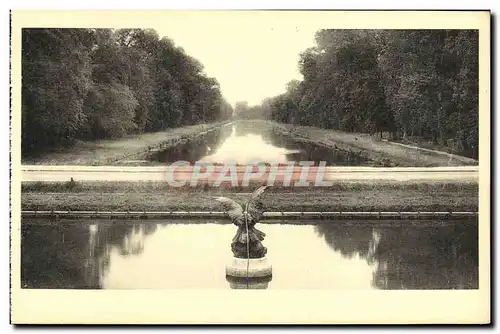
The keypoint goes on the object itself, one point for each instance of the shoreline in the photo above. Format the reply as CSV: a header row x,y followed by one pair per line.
x,y
106,152
269,217
383,152
379,152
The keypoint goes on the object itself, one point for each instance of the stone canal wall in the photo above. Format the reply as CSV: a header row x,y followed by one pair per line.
x,y
271,216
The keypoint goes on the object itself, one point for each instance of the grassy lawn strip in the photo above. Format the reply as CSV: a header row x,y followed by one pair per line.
x,y
382,152
157,196
105,152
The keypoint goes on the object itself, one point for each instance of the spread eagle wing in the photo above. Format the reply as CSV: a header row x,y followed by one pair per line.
x,y
233,209
254,206
258,192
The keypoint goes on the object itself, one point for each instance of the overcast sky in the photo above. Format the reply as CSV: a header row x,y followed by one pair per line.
x,y
252,57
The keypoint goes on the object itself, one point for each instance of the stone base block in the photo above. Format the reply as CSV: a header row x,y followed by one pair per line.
x,y
256,268
248,283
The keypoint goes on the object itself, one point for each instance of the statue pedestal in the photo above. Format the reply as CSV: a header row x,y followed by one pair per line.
x,y
256,268
257,283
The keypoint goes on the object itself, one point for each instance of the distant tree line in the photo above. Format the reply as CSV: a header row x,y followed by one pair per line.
x,y
410,83
85,84
242,111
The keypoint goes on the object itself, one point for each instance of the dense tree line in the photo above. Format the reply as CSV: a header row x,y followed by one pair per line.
x,y
410,83
85,84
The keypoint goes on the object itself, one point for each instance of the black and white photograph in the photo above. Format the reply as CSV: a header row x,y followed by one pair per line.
x,y
250,151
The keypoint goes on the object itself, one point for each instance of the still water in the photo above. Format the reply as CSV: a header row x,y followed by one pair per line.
x,y
192,255
243,143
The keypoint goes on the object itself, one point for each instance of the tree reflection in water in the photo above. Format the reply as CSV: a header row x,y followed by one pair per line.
x,y
75,255
264,142
53,256
127,238
194,149
420,255
417,256
311,152
242,129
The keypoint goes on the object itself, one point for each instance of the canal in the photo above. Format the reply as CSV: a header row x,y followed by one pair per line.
x,y
184,254
241,143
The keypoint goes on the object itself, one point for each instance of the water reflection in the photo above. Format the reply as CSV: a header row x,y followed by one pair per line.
x,y
248,148
243,143
192,150
423,256
75,255
306,151
179,255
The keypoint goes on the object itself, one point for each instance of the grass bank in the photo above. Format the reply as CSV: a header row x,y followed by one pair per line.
x,y
106,152
345,196
381,152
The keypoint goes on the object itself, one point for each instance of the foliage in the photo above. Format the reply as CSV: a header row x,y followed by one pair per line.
x,y
414,84
85,84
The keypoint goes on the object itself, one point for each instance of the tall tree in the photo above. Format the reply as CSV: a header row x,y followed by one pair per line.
x,y
411,83
56,76
101,83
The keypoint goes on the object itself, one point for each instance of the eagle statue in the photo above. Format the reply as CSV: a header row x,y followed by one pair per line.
x,y
247,241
